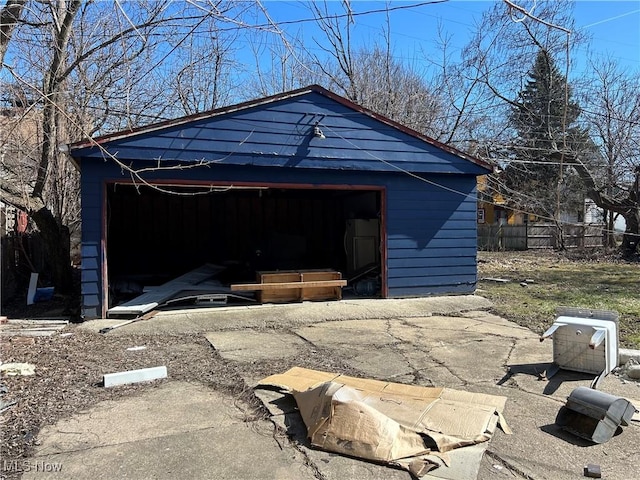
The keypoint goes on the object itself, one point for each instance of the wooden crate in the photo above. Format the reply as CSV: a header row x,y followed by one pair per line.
x,y
278,295
321,293
296,286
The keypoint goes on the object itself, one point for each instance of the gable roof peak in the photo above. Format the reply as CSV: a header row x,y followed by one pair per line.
x,y
315,88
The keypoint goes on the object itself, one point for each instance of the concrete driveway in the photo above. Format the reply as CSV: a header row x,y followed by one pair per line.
x,y
182,430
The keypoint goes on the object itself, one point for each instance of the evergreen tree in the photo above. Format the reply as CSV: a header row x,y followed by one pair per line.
x,y
545,123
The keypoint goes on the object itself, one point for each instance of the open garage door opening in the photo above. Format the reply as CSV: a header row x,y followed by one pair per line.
x,y
153,236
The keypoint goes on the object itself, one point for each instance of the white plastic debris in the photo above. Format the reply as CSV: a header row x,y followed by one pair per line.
x,y
136,349
629,371
13,369
633,372
134,376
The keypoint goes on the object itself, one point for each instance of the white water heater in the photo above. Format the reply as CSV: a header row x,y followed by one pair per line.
x,y
362,243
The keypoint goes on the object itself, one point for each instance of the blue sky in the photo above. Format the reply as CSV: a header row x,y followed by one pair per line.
x,y
614,26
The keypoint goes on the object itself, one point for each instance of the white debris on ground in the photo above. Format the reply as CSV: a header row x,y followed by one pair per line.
x,y
33,328
17,369
630,371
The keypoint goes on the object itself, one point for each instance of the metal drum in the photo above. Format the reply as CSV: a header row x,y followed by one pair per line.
x,y
594,415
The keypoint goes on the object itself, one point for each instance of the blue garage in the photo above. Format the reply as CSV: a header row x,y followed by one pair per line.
x,y
302,180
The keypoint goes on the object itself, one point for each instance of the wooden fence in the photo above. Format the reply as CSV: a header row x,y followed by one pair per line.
x,y
538,235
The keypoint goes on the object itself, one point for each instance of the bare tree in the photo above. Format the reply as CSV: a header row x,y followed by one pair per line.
x,y
497,59
467,115
282,63
605,159
86,67
337,45
611,112
443,98
497,62
372,76
205,66
32,194
9,18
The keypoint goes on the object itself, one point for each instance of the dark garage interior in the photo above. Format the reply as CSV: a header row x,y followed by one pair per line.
x,y
157,233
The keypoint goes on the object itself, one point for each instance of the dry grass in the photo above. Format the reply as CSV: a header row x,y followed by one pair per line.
x,y
541,281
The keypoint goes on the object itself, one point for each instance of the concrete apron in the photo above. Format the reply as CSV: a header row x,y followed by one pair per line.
x,y
189,431
177,430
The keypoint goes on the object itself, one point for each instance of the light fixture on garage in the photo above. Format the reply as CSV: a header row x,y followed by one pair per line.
x,y
317,131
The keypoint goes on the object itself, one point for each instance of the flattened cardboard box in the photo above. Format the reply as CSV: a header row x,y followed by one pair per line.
x,y
405,425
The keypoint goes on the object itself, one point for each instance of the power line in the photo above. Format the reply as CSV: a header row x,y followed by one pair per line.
x,y
327,17
599,22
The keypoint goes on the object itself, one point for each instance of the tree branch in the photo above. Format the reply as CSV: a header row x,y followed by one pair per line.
x,y
9,18
51,94
603,200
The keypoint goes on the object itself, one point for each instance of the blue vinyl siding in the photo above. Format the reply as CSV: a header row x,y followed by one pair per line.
x,y
430,224
280,134
91,266
432,236
430,261
427,248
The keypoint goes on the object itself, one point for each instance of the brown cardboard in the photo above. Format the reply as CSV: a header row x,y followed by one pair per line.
x,y
405,425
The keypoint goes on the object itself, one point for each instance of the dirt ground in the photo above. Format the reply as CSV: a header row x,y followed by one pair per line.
x,y
69,374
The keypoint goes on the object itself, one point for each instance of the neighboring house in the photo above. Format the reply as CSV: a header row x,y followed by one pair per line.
x,y
493,209
595,214
304,179
503,228
592,213
19,138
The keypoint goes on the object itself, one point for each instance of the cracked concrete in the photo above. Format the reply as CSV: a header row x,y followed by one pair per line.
x,y
444,341
176,430
255,346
